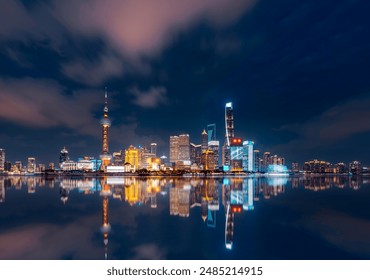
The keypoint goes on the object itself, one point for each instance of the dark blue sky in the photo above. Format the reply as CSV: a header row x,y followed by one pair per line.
x,y
297,73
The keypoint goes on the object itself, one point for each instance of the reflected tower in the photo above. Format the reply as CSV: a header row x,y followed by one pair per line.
x,y
105,228
105,122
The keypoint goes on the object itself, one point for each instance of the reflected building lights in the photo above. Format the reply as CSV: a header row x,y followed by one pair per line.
x,y
239,195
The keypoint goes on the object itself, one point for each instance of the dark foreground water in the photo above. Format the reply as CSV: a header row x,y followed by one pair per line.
x,y
185,218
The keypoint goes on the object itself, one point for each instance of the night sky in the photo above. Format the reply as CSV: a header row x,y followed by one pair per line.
x,y
297,72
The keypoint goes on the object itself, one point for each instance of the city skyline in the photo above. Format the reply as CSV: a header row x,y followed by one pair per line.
x,y
295,74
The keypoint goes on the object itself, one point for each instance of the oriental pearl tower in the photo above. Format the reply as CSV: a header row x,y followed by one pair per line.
x,y
105,122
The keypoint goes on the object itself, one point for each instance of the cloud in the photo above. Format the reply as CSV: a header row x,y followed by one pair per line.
x,y
45,104
337,123
96,72
144,27
135,30
152,98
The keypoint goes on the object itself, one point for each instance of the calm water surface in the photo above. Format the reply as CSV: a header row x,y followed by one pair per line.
x,y
185,218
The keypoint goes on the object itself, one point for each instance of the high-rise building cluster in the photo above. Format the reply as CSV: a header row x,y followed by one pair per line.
x,y
237,154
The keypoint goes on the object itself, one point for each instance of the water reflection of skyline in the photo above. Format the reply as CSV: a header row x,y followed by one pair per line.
x,y
233,196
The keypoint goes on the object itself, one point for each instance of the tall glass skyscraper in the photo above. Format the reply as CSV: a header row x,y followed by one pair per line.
x,y
248,156
211,131
229,127
229,122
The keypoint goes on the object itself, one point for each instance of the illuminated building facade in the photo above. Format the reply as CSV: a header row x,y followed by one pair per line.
x,y
2,159
277,160
31,165
295,167
184,147
132,156
204,137
229,127
195,154
51,166
153,149
106,123
340,168
266,160
174,149
248,156
355,167
214,146
208,160
257,161
63,155
317,166
236,154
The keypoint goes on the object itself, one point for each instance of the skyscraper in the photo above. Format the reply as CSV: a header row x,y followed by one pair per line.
x,y
214,145
229,122
63,155
153,149
229,127
174,149
2,159
248,160
195,153
31,165
184,147
204,140
105,122
211,131
257,161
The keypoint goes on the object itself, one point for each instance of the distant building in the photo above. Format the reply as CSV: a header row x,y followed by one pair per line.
x,y
248,156
236,154
211,132
51,166
204,137
64,156
132,156
8,166
31,165
257,161
195,153
2,159
18,166
214,145
119,158
275,159
340,168
355,167
317,166
184,147
229,127
266,161
153,149
208,160
174,149
295,167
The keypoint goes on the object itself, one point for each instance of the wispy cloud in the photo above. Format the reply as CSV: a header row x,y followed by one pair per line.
x,y
96,72
336,124
45,104
135,30
151,98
